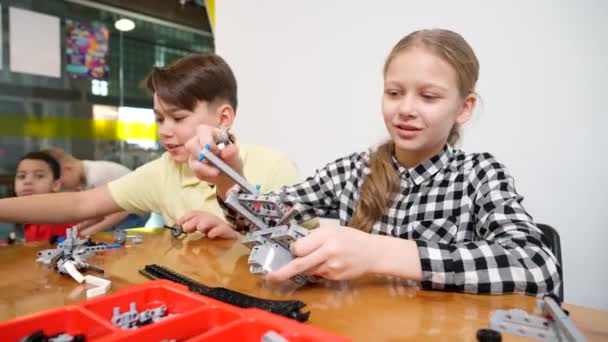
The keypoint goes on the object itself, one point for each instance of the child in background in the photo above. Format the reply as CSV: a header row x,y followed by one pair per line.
x,y
79,175
195,90
39,173
416,207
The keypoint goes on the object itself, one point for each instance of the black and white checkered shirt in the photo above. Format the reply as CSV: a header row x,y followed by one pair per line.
x,y
462,210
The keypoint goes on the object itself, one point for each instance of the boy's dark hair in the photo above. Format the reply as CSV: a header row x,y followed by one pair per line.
x,y
192,79
47,158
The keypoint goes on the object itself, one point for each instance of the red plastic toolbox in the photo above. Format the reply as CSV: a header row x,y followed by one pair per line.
x,y
189,317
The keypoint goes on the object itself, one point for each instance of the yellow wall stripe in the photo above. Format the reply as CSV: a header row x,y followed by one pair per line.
x,y
71,128
210,5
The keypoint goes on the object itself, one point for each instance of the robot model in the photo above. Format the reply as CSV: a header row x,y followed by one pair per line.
x,y
272,224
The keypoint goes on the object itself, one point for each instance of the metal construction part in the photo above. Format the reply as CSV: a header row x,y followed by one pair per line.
x,y
273,336
120,236
40,336
176,231
553,325
133,319
71,253
271,222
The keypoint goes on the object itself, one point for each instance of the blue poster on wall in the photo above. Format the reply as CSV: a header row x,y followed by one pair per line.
x,y
87,50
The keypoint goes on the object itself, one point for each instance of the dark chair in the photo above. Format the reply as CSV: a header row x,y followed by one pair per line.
x,y
552,240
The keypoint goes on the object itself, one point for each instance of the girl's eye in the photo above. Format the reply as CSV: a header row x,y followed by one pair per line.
x,y
179,119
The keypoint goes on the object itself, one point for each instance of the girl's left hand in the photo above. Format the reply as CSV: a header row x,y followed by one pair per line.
x,y
332,252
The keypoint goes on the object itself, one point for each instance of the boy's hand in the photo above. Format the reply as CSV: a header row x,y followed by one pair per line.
x,y
208,135
206,223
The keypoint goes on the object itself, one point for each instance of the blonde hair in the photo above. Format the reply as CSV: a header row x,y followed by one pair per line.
x,y
61,155
380,185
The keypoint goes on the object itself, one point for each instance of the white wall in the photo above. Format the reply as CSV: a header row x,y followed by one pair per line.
x,y
310,83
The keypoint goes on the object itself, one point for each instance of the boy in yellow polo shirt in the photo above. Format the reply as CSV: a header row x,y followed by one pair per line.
x,y
195,90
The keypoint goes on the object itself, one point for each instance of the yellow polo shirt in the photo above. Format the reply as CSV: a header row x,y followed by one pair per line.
x,y
171,189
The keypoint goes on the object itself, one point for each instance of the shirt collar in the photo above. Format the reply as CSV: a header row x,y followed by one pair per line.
x,y
188,179
428,168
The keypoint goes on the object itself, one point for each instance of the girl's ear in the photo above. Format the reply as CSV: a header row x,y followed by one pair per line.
x,y
467,109
225,114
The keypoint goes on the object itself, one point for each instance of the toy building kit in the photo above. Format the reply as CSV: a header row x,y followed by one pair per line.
x,y
552,325
71,255
271,222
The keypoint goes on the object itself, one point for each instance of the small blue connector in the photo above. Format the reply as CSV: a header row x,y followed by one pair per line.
x,y
201,157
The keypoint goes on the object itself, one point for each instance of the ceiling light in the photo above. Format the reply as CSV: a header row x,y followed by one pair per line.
x,y
124,25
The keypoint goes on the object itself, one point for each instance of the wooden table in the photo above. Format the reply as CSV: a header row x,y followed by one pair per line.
x,y
369,309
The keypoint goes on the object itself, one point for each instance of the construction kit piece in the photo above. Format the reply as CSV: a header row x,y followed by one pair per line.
x,y
71,254
186,316
273,336
133,319
553,325
176,231
39,336
272,226
102,286
287,308
121,236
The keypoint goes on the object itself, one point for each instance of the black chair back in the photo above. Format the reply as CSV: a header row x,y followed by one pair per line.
x,y
552,240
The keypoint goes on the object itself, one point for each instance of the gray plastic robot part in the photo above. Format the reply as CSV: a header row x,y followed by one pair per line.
x,y
273,336
62,338
213,159
132,319
558,327
72,248
120,236
137,238
269,243
232,200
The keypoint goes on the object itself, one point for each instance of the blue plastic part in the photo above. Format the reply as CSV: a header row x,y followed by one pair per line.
x,y
60,239
201,157
257,187
112,245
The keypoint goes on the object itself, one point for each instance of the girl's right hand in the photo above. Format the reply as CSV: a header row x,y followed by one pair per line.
x,y
207,135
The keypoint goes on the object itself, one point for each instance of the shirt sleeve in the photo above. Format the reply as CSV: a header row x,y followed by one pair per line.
x,y
508,254
319,195
316,196
139,191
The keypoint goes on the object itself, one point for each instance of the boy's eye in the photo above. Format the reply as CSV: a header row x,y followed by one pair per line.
x,y
178,119
392,93
430,96
159,119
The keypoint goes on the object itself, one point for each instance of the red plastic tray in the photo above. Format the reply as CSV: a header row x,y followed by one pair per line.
x,y
192,318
